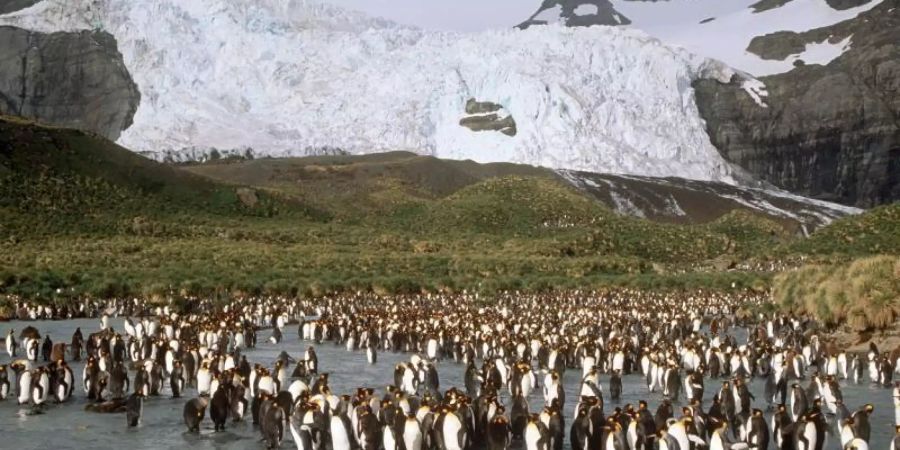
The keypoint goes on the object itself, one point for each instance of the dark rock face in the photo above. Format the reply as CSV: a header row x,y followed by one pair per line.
x,y
73,80
601,12
8,6
846,4
487,116
830,132
765,5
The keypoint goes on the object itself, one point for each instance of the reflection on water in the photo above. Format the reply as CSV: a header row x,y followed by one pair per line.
x,y
68,426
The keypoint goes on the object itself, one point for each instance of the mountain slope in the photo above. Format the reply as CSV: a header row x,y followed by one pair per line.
x,y
720,29
358,188
301,78
830,131
81,216
68,181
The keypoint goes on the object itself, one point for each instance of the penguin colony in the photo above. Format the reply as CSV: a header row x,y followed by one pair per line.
x,y
507,348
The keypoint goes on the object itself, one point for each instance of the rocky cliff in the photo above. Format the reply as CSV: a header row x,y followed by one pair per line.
x,y
8,6
830,132
75,80
576,13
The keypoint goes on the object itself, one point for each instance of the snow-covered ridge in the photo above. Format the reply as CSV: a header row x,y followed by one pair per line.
x,y
734,24
280,76
679,200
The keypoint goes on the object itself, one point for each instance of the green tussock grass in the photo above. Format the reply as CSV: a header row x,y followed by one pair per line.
x,y
864,294
80,216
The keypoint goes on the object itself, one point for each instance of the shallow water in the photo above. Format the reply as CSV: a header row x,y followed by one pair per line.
x,y
68,426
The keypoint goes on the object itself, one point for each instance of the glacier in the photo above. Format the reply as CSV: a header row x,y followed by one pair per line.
x,y
288,77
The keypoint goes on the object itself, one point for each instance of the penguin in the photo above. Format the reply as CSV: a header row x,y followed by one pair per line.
x,y
861,424
371,354
11,344
663,414
805,433
552,418
219,407
272,425
896,396
453,432
46,348
553,389
666,441
413,437
312,361
799,404
31,349
276,336
238,406
303,435
142,381
118,381
40,389
62,382
204,380
757,431
256,405
134,409
693,386
4,382
720,439
369,429
856,369
194,411
498,431
156,379
340,430
536,434
846,433
615,386
518,416
176,379
286,401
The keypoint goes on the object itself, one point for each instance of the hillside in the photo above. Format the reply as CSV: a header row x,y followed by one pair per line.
x,y
363,187
61,181
83,216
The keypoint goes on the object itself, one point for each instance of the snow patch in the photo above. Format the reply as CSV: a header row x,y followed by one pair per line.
x,y
587,9
672,207
551,15
282,76
757,91
822,52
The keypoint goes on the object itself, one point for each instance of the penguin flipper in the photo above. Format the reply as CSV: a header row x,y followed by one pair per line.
x,y
697,440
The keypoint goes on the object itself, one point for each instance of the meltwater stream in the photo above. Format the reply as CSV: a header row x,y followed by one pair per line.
x,y
69,426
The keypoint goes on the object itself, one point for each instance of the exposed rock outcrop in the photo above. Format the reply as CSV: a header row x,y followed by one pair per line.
x,y
488,116
74,80
841,5
576,13
8,6
765,5
830,132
